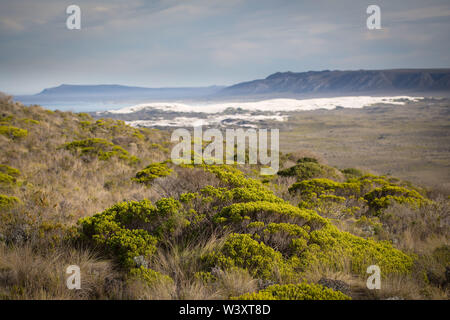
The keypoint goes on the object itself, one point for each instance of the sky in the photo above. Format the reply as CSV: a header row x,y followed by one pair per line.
x,y
166,43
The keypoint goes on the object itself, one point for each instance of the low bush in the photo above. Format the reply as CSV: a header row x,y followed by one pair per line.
x,y
8,201
302,291
381,198
240,250
131,229
13,172
151,172
101,148
13,132
309,168
150,277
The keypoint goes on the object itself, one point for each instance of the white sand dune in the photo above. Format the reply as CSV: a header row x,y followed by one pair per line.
x,y
272,105
241,119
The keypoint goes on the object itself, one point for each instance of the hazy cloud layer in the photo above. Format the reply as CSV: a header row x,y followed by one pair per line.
x,y
203,42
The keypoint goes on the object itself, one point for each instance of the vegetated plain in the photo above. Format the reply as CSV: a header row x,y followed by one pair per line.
x,y
410,141
106,197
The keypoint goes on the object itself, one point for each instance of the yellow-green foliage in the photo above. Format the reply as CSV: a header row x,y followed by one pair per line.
x,y
313,239
288,238
240,194
7,180
8,175
159,147
30,121
330,246
269,211
5,119
352,173
240,250
13,172
381,198
85,124
255,225
266,235
101,148
378,192
302,291
233,176
151,172
7,202
308,168
111,127
304,237
205,277
244,189
287,229
13,132
149,276
316,187
84,115
131,229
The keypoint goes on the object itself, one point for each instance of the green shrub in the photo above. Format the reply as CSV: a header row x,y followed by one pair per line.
x,y
240,194
381,198
307,159
285,240
205,277
302,291
7,180
30,121
352,173
240,250
100,148
150,277
125,244
5,119
84,116
288,229
8,176
255,225
130,229
151,172
13,172
314,186
308,168
269,210
13,132
7,201
331,247
119,231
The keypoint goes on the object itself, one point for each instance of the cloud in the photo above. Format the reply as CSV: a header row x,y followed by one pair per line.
x,y
11,25
200,42
419,14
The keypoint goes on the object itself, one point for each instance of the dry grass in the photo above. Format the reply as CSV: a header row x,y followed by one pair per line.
x,y
28,274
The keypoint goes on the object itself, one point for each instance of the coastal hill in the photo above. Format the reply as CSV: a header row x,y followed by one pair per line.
x,y
346,82
312,83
